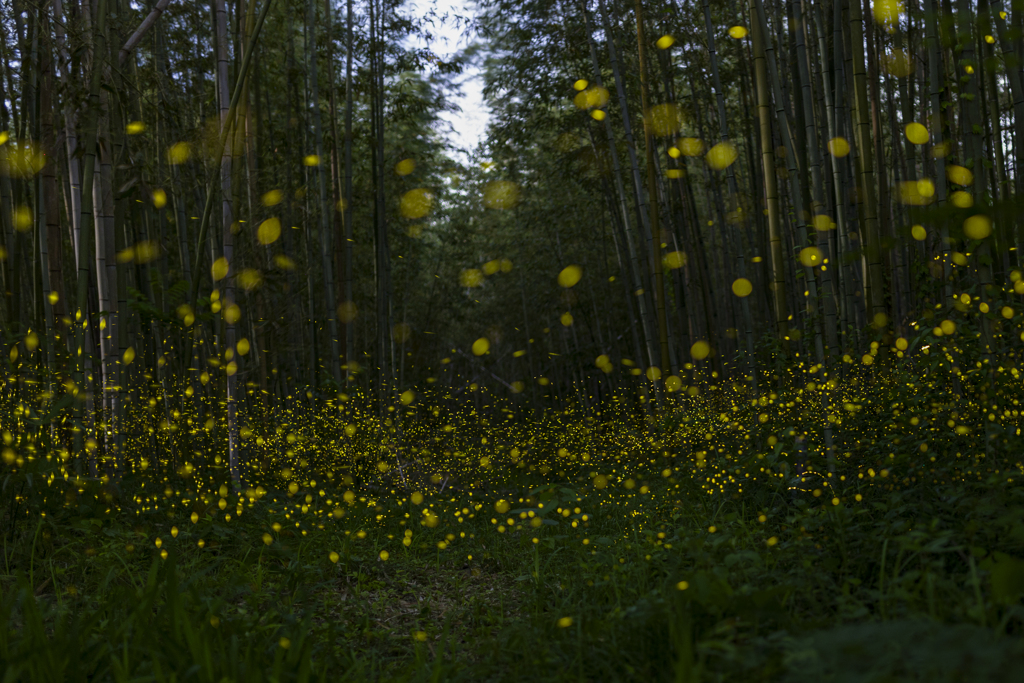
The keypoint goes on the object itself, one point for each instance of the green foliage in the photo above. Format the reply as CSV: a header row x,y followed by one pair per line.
x,y
711,543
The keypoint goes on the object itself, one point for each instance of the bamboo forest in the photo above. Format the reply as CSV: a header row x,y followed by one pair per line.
x,y
512,340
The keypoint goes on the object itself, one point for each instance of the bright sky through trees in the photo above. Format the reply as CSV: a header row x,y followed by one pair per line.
x,y
464,129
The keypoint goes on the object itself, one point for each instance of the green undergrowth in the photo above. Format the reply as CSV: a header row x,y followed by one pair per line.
x,y
920,585
703,540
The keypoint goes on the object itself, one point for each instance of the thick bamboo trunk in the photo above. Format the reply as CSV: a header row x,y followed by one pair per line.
x,y
874,278
833,120
337,200
348,301
1016,82
53,239
228,249
974,155
639,196
818,207
800,214
106,272
771,191
625,255
734,202
937,83
634,266
41,60
80,351
652,196
324,205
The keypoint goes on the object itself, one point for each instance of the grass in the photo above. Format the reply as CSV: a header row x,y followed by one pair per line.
x,y
709,544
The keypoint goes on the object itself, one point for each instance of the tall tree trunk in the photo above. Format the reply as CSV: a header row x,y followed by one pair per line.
x,y
652,194
974,155
874,278
734,195
800,214
639,196
818,208
1011,59
771,191
53,239
324,205
833,120
88,175
634,267
384,347
230,308
937,83
348,316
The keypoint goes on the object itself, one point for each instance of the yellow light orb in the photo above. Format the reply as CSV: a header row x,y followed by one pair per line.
x,y
722,155
742,287
569,276
961,200
178,153
347,311
978,227
917,133
691,147
596,96
838,147
219,269
405,167
665,119
898,63
272,198
471,277
501,194
810,257
959,175
887,13
674,260
416,203
269,231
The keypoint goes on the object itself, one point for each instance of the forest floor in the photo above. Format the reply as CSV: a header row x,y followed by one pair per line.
x,y
710,549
